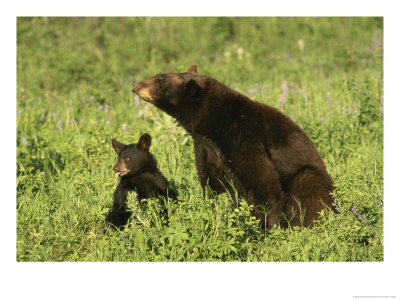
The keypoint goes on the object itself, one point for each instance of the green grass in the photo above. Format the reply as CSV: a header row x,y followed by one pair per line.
x,y
74,81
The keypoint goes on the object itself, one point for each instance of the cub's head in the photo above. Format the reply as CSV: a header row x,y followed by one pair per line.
x,y
172,91
132,158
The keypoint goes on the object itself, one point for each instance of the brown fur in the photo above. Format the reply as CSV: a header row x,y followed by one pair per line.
x,y
268,158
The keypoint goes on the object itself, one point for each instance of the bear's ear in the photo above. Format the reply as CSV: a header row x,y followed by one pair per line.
x,y
193,89
144,142
117,145
192,69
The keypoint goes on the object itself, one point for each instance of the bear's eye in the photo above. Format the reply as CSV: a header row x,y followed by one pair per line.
x,y
127,158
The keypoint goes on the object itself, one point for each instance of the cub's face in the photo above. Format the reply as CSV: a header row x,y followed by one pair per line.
x,y
131,158
171,91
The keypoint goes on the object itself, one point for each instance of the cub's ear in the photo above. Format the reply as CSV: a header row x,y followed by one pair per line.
x,y
192,69
193,89
144,142
117,145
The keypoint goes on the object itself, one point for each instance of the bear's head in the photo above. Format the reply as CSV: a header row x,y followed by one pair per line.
x,y
172,92
132,158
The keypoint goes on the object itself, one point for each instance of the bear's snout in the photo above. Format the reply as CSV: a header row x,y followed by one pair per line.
x,y
136,87
143,91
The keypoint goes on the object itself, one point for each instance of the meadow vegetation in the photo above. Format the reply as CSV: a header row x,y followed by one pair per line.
x,y
74,81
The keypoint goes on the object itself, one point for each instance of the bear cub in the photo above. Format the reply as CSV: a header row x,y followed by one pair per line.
x,y
138,172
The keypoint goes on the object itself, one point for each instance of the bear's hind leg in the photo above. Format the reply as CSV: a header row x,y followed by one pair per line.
x,y
307,193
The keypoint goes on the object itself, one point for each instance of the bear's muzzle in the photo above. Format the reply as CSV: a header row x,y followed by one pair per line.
x,y
142,91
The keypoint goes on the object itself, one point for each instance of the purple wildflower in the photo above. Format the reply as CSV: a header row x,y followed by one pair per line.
x,y
283,98
328,99
304,92
125,236
334,203
355,116
322,120
252,92
285,88
124,127
59,126
106,108
358,214
286,57
377,41
136,100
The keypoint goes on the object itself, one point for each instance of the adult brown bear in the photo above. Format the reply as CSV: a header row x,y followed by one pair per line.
x,y
266,156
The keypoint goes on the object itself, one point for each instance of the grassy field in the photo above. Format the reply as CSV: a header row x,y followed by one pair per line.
x,y
74,81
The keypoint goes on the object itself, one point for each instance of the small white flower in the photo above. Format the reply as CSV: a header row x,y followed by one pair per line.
x,y
300,43
24,140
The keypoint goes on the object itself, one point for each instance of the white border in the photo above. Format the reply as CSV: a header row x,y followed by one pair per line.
x,y
197,280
